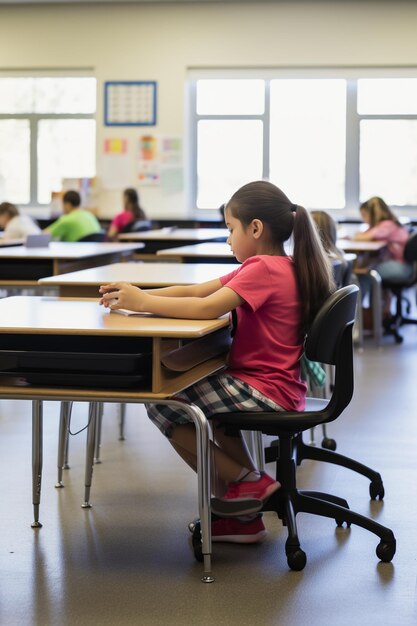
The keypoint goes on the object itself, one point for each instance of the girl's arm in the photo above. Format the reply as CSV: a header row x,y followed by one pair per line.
x,y
366,236
126,296
177,291
199,291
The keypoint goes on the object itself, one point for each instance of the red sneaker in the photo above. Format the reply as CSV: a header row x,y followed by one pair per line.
x,y
234,530
245,497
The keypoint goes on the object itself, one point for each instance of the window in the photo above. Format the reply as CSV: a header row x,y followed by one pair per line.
x,y
329,139
47,133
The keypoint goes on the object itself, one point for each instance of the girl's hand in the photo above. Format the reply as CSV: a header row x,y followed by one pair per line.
x,y
122,296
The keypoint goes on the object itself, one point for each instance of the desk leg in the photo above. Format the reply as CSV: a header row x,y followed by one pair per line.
x,y
37,445
100,410
376,294
122,419
65,414
93,411
203,476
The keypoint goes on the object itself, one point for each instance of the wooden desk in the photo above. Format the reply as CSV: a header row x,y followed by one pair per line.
x,y
32,317
155,240
212,252
85,283
24,266
350,245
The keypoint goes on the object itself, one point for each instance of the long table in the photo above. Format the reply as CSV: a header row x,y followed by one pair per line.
x,y
22,266
85,283
48,318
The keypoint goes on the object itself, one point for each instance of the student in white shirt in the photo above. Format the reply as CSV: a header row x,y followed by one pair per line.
x,y
15,225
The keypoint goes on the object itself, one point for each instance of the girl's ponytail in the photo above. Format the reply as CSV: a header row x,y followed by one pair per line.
x,y
312,265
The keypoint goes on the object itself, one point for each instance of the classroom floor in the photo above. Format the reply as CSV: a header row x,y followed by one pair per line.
x,y
128,561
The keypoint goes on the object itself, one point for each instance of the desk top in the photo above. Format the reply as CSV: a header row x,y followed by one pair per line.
x,y
176,234
350,245
66,250
210,249
69,316
143,274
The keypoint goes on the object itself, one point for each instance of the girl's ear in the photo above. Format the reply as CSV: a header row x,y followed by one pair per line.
x,y
257,228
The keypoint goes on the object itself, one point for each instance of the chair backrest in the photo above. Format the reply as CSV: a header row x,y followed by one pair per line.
x,y
337,267
410,250
350,259
101,236
137,226
330,341
335,317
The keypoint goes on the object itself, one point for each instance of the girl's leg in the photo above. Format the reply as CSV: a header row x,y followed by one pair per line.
x,y
183,438
235,447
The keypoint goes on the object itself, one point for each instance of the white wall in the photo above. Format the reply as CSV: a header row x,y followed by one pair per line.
x,y
161,41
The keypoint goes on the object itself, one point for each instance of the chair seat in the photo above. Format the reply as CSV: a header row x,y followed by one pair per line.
x,y
276,422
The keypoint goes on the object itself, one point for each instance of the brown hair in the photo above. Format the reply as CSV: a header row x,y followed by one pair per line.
x,y
378,210
264,201
132,198
327,230
7,208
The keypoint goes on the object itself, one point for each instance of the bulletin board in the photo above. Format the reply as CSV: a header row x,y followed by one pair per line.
x,y
130,103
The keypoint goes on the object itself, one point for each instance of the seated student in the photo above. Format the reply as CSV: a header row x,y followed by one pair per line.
x,y
384,226
132,211
327,230
76,222
15,225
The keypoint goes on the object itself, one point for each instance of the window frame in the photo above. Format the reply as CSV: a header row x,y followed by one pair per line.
x,y
353,119
35,118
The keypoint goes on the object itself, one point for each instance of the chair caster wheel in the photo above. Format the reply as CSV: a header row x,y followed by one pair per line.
x,y
399,339
385,551
340,523
329,444
376,490
296,559
192,525
196,543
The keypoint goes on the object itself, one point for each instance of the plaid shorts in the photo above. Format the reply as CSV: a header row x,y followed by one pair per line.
x,y
214,394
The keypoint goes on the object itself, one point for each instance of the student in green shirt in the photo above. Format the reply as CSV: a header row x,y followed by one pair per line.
x,y
76,223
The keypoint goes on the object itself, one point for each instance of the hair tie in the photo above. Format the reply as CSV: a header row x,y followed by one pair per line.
x,y
293,208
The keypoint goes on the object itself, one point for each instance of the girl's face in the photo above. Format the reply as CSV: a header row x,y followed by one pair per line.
x,y
365,216
240,239
4,218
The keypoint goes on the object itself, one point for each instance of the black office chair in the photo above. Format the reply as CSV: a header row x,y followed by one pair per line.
x,y
329,341
137,226
397,288
98,237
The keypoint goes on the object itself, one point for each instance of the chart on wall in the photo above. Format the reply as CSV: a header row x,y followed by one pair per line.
x,y
130,103
116,164
160,162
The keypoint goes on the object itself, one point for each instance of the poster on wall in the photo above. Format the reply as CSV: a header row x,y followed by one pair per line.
x,y
116,170
130,103
171,165
148,172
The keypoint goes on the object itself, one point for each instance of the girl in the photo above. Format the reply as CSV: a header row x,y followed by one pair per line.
x,y
327,229
276,298
132,211
16,226
384,226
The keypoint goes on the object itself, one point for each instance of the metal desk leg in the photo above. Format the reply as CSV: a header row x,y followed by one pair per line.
x,y
100,409
122,419
93,410
259,450
37,445
203,475
376,295
65,414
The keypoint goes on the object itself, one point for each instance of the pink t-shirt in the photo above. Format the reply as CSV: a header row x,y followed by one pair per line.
x,y
395,235
121,220
268,342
